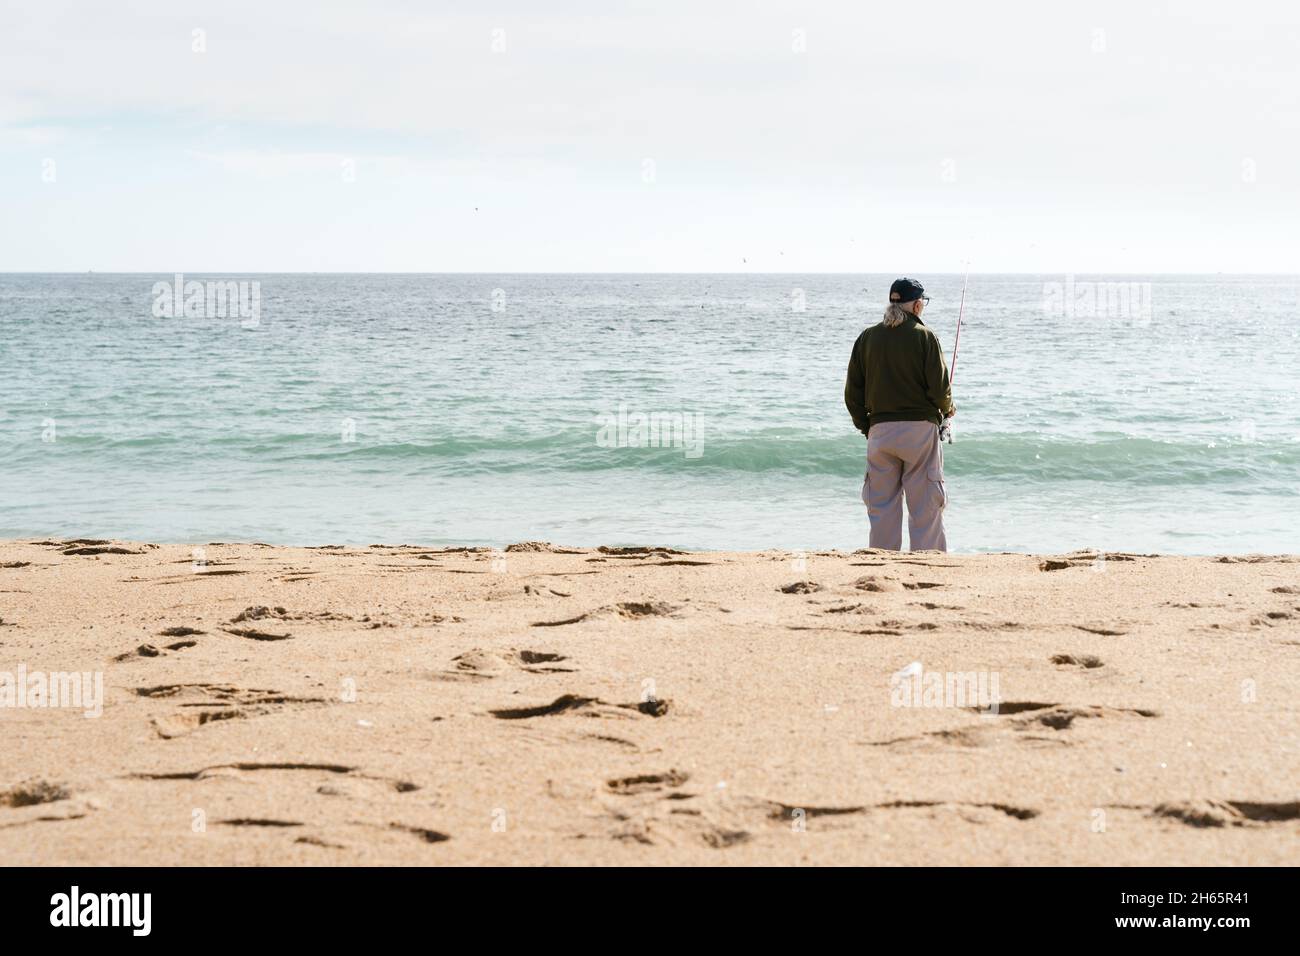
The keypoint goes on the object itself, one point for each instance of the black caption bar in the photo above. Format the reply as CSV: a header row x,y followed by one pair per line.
x,y
335,906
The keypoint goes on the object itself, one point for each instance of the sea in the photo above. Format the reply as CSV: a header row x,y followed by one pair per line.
x,y
1140,413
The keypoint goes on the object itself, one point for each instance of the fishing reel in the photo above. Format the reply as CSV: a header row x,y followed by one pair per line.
x,y
945,429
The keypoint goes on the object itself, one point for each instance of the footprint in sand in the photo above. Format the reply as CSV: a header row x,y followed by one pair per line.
x,y
647,783
535,591
423,833
649,809
179,632
42,801
346,781
483,664
1087,661
584,706
801,587
877,583
636,551
206,703
1035,716
257,822
850,609
787,813
1226,813
33,792
1059,716
253,634
1016,813
149,650
99,550
631,610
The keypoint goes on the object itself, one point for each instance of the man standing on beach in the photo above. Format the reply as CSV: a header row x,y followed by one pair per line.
x,y
898,393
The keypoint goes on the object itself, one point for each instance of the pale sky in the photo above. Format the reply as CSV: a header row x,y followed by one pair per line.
x,y
649,137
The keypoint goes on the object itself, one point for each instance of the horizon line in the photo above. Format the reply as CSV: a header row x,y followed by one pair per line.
x,y
487,272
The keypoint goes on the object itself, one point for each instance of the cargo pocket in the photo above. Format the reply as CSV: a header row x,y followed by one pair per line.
x,y
866,486
935,476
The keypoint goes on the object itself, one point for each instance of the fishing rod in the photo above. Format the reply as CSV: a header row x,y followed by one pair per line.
x,y
945,427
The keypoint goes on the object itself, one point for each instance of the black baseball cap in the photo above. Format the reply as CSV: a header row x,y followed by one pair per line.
x,y
907,290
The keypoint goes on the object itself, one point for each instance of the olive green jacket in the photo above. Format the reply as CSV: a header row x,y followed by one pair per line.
x,y
897,373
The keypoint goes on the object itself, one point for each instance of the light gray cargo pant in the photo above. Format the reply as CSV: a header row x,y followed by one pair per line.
x,y
905,458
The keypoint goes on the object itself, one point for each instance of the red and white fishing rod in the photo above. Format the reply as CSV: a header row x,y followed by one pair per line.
x,y
945,427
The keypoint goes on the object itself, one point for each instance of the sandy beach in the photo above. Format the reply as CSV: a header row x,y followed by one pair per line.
x,y
548,705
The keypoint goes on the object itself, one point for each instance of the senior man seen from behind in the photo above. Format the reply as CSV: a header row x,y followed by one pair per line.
x,y
898,393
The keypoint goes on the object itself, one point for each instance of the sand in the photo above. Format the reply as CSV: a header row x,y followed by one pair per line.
x,y
407,705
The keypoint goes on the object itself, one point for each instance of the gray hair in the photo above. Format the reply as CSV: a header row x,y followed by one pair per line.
x,y
897,314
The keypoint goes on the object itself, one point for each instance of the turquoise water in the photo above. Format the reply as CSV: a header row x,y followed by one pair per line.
x,y
473,409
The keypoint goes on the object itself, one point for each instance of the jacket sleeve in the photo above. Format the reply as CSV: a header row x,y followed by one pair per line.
x,y
855,392
938,388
